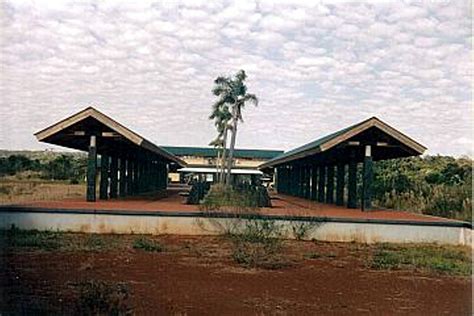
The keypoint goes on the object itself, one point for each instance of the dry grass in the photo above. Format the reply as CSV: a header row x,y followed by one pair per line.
x,y
28,190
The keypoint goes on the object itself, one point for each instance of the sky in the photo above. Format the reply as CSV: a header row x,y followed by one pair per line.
x,y
316,67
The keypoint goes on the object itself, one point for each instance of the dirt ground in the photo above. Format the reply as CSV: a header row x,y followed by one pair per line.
x,y
196,276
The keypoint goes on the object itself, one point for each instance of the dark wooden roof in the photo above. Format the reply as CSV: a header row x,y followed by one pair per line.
x,y
334,147
112,137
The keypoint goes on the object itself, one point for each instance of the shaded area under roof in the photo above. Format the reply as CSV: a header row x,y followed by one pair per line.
x,y
386,141
212,152
112,137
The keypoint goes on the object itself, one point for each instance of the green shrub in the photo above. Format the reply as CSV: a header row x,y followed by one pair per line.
x,y
102,298
257,243
244,198
302,229
95,242
147,244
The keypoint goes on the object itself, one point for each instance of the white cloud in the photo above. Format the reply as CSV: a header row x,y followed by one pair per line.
x,y
319,64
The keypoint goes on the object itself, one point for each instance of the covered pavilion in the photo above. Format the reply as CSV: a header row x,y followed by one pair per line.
x,y
317,170
129,164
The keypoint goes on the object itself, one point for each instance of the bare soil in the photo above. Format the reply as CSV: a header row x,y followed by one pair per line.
x,y
196,276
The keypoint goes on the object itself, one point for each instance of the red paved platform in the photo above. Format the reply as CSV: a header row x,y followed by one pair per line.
x,y
282,205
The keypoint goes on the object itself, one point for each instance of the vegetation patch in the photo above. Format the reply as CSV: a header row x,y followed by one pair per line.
x,y
241,198
35,239
102,298
257,243
432,258
147,244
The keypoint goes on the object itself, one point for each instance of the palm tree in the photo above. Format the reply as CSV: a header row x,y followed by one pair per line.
x,y
221,116
218,145
232,92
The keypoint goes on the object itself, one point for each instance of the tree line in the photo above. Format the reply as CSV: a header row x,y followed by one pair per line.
x,y
60,167
435,185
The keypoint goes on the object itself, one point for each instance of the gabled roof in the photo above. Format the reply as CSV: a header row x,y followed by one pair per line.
x,y
212,152
47,134
330,141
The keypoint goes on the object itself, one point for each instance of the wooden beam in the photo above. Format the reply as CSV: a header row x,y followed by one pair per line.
x,y
367,180
321,183
330,184
104,177
113,177
352,185
340,184
91,170
314,182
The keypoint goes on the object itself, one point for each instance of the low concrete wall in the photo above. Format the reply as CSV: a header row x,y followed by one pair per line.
x,y
325,229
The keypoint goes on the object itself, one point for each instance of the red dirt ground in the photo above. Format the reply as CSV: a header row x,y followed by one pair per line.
x,y
282,205
195,276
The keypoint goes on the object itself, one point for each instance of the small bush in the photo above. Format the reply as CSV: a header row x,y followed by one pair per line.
x,y
432,258
257,243
312,255
302,229
95,242
101,298
147,244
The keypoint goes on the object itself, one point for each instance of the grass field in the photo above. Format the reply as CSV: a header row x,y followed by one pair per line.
x,y
14,190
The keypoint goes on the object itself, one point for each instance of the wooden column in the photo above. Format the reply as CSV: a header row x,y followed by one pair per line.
x,y
352,184
91,169
340,184
321,183
290,180
301,181
122,182
113,177
136,176
104,177
307,186
330,184
367,179
128,184
314,182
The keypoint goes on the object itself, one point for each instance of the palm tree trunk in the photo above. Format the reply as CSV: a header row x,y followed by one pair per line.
x,y
231,149
218,164
224,151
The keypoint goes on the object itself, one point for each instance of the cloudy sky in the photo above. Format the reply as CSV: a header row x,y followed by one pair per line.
x,y
315,67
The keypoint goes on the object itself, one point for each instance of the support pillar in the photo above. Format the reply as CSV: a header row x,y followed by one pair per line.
x,y
113,177
302,180
340,184
135,176
367,179
330,185
122,181
91,169
293,188
321,183
129,179
314,182
104,177
352,184
307,182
